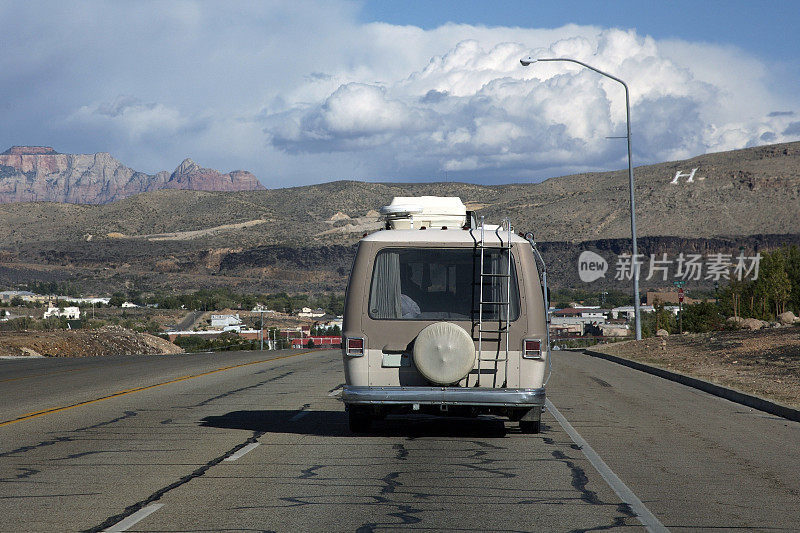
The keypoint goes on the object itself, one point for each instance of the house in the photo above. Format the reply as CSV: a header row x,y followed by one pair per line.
x,y
128,304
7,296
311,313
332,322
574,320
89,301
225,321
70,313
615,330
561,330
593,312
627,311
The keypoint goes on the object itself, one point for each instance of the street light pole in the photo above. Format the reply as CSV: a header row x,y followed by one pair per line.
x,y
635,259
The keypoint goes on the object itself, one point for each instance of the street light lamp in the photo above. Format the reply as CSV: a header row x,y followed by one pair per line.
x,y
634,263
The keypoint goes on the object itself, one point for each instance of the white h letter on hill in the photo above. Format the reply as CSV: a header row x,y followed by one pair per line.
x,y
679,174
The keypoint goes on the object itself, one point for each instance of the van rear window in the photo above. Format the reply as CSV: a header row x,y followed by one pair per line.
x,y
441,284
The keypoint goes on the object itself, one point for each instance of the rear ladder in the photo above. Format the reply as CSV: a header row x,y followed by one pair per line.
x,y
500,304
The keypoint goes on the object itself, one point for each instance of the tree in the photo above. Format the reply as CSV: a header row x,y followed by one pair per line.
x,y
773,286
702,317
793,270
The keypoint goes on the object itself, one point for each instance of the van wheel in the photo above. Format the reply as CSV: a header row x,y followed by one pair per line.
x,y
359,420
529,426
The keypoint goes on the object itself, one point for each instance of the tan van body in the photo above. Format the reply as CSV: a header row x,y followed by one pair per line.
x,y
384,361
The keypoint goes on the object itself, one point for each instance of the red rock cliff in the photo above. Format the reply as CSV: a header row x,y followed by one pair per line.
x,y
40,174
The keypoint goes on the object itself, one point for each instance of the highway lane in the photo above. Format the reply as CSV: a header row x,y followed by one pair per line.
x,y
30,385
696,461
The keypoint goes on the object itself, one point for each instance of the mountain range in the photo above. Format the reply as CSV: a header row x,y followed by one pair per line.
x,y
40,174
302,238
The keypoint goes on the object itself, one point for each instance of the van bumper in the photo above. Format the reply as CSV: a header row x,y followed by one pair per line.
x,y
444,396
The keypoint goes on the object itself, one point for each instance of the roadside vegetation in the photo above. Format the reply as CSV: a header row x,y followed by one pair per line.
x,y
774,292
224,342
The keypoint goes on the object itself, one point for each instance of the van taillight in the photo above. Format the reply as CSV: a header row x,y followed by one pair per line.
x,y
355,347
532,348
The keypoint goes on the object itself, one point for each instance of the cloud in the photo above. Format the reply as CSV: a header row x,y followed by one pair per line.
x,y
129,115
302,92
792,129
475,112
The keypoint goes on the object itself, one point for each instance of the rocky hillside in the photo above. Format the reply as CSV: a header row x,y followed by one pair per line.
x,y
302,238
40,174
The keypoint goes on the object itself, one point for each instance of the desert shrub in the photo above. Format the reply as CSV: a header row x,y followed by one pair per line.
x,y
659,319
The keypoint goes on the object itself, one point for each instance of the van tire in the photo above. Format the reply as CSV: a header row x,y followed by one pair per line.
x,y
358,420
529,426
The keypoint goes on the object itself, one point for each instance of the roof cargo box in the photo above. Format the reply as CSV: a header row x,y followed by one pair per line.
x,y
430,211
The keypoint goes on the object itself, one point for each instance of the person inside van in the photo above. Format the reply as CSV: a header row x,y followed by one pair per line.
x,y
409,308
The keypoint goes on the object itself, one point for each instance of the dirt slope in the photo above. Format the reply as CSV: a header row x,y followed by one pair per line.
x,y
109,340
765,363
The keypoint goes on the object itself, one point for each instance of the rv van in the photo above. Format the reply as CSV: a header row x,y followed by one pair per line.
x,y
445,315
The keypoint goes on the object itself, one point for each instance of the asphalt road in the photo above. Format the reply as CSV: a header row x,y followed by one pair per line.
x,y
258,441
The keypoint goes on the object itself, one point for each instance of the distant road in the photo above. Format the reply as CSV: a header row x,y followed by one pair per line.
x,y
189,320
259,441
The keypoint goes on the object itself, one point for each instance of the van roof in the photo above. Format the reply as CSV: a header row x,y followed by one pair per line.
x,y
447,236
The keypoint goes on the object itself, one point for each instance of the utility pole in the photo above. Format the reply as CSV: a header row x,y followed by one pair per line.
x,y
261,330
680,285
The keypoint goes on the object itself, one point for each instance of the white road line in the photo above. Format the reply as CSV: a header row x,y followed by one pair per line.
x,y
644,515
298,416
249,448
138,516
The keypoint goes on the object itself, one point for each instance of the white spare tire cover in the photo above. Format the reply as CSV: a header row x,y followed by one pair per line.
x,y
444,353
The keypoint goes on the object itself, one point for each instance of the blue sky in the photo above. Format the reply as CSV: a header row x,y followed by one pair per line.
x,y
763,27
768,29
310,91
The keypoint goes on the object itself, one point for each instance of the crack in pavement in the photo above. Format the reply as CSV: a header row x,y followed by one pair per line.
x,y
25,473
66,438
402,453
310,472
110,521
579,482
495,471
234,391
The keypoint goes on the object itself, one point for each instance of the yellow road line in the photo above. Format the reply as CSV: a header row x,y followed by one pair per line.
x,y
43,412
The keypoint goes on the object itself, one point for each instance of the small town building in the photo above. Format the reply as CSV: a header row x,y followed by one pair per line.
x,y
225,321
627,311
70,313
311,313
326,341
615,330
7,296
